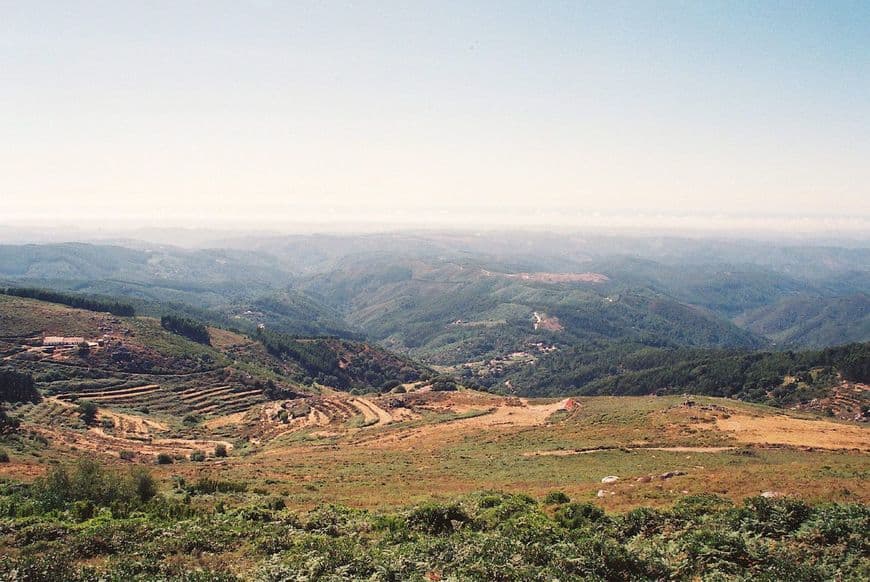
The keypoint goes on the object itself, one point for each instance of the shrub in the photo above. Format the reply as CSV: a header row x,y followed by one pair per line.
x,y
127,455
209,485
835,524
773,517
4,456
197,456
556,498
89,481
220,450
442,384
164,459
576,515
83,510
142,484
641,520
437,519
8,423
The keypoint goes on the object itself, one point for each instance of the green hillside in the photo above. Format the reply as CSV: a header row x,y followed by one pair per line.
x,y
812,320
137,363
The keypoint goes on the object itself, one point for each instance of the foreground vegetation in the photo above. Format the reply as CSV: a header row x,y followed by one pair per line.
x,y
86,523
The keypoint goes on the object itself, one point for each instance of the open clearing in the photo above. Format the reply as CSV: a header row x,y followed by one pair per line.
x,y
787,430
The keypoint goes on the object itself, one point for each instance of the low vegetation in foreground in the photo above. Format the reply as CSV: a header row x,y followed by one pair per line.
x,y
85,522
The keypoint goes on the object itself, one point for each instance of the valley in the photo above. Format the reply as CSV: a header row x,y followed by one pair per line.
x,y
166,398
409,388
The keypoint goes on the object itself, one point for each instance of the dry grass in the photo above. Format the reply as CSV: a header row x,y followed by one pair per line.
x,y
419,446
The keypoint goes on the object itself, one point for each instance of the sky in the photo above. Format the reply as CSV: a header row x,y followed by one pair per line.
x,y
207,113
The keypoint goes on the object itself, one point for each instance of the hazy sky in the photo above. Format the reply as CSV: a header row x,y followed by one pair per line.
x,y
167,111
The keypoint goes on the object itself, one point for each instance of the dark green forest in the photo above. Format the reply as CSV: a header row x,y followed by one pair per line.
x,y
189,328
90,303
632,369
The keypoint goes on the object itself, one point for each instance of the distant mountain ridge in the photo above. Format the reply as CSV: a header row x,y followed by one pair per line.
x,y
454,298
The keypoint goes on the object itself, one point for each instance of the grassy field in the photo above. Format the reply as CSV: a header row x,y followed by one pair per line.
x,y
462,442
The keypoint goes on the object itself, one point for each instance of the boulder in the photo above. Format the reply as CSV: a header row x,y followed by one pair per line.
x,y
610,479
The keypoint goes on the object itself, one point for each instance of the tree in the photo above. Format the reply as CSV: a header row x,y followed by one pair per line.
x,y
17,386
87,412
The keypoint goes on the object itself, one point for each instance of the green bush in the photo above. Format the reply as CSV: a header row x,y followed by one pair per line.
x,y
142,484
209,485
443,384
197,456
87,480
773,517
86,522
220,450
437,519
556,498
4,456
164,459
577,515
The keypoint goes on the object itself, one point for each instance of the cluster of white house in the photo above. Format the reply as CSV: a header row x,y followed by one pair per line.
x,y
59,340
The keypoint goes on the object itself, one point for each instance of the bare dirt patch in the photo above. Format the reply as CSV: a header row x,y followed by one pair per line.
x,y
372,413
546,322
560,277
569,452
502,413
227,420
786,430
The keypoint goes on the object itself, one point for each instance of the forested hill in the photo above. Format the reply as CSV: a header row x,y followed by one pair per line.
x,y
778,378
547,312
121,349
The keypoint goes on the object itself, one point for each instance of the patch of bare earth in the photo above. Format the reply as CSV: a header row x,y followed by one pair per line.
x,y
560,277
503,413
786,430
569,452
546,322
